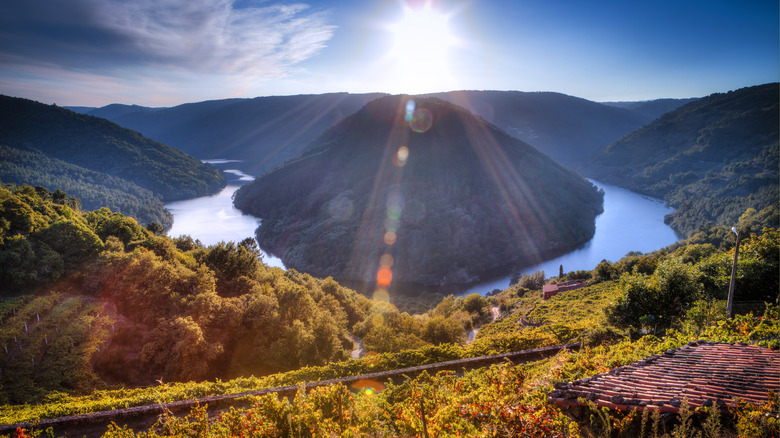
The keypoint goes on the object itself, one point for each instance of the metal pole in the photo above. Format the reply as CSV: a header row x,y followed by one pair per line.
x,y
730,302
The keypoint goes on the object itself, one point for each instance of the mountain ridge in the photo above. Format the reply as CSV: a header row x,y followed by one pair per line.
x,y
565,127
711,159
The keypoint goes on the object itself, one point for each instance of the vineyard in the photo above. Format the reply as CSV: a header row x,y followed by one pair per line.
x,y
500,400
115,316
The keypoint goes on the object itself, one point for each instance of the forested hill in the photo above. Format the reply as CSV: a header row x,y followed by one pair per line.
x,y
711,159
100,145
93,189
87,152
567,128
91,298
447,196
263,132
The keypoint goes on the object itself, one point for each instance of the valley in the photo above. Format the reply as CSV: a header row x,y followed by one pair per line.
x,y
101,311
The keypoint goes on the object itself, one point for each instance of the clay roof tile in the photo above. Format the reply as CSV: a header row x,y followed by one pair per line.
x,y
703,372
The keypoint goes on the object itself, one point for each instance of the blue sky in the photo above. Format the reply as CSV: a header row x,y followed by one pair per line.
x,y
167,52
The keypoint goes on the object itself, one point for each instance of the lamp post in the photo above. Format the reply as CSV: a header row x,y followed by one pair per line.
x,y
730,302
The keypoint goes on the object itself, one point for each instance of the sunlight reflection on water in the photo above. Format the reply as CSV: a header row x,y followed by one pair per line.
x,y
212,219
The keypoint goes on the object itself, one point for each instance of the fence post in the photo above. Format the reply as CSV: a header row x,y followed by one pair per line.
x,y
422,415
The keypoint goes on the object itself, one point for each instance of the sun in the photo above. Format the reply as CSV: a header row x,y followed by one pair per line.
x,y
422,45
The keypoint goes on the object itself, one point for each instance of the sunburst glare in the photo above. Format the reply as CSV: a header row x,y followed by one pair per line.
x,y
422,44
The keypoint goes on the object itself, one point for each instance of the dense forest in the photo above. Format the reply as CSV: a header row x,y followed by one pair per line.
x,y
445,195
94,189
711,159
84,153
113,302
99,302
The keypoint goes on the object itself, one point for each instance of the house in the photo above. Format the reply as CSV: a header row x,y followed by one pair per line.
x,y
550,290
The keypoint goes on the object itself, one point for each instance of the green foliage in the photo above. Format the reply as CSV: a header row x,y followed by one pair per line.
x,y
180,315
501,400
92,190
533,281
664,295
40,241
155,307
712,159
104,147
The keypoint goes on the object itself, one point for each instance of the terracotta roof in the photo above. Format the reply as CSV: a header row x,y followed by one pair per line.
x,y
704,373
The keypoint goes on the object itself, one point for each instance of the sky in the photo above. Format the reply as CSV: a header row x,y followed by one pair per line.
x,y
169,52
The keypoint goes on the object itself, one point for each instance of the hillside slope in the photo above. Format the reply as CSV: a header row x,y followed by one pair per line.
x,y
105,147
94,189
263,132
567,128
712,159
445,195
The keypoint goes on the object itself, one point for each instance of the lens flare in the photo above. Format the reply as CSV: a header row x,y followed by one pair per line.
x,y
386,260
409,110
422,120
381,294
369,386
384,276
399,159
395,204
390,237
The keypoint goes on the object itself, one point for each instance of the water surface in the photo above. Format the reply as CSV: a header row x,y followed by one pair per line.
x,y
212,219
630,222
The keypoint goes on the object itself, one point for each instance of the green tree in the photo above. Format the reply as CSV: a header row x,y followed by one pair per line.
x,y
438,330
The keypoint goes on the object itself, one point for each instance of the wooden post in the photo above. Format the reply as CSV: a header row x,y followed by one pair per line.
x,y
730,302
422,415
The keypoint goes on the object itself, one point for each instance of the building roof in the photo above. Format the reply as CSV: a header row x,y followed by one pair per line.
x,y
701,372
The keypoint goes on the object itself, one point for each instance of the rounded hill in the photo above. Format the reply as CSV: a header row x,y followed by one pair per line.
x,y
419,190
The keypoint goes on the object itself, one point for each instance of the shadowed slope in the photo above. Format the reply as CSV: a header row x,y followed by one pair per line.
x,y
436,194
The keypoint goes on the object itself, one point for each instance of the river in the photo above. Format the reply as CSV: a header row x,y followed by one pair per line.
x,y
212,219
630,222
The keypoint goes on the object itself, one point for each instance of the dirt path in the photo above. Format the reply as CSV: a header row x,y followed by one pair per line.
x,y
358,350
495,312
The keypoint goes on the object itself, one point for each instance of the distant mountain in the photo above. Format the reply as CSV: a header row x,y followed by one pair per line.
x,y
432,196
116,110
267,131
263,132
568,129
712,158
96,149
80,109
651,109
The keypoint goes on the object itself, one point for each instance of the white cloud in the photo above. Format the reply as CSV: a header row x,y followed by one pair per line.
x,y
174,43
